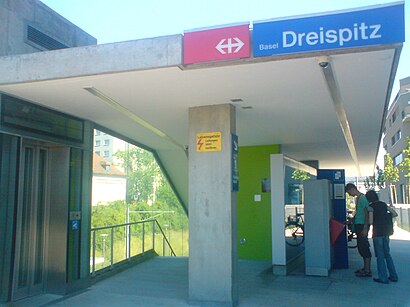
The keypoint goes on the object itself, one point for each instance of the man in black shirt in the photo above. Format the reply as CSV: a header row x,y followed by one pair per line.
x,y
378,217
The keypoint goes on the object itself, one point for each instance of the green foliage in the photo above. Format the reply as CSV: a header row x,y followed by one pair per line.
x,y
111,214
149,195
142,170
376,181
405,164
370,182
391,173
380,177
300,175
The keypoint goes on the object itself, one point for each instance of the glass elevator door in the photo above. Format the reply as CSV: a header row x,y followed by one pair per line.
x,y
29,273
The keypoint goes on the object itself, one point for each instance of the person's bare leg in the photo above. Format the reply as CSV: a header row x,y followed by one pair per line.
x,y
367,262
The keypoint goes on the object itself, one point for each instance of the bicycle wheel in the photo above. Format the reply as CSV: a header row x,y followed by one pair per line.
x,y
351,239
294,234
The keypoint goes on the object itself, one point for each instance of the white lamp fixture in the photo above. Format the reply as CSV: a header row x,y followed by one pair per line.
x,y
326,67
117,106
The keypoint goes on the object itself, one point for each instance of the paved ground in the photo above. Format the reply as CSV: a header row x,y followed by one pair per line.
x,y
163,281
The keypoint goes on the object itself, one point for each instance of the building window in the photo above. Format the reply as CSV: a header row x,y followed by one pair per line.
x,y
398,135
97,132
396,138
106,142
97,143
394,116
106,153
398,159
403,114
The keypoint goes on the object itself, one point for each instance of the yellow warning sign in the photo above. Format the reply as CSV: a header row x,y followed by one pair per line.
x,y
209,141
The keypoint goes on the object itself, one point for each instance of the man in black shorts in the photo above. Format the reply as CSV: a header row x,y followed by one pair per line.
x,y
361,226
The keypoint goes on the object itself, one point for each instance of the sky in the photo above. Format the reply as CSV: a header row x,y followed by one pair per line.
x,y
121,20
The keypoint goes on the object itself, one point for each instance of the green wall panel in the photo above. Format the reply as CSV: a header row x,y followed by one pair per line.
x,y
254,218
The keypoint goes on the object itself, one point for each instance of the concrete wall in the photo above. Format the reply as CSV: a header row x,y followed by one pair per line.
x,y
403,220
107,189
277,169
141,54
15,15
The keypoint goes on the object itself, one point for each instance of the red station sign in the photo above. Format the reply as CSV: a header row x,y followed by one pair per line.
x,y
217,44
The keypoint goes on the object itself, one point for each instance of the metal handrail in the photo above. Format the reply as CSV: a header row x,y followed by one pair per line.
x,y
122,225
128,240
166,239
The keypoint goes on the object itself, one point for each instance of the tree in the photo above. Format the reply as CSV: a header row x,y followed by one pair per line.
x,y
148,196
370,182
142,171
154,193
391,174
376,181
380,178
299,174
405,167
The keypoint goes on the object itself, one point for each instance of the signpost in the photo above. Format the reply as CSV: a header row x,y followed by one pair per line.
x,y
376,26
218,44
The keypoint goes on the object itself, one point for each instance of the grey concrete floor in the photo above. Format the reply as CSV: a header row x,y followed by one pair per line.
x,y
163,281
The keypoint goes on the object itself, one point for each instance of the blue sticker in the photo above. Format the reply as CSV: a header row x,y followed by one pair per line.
x,y
75,224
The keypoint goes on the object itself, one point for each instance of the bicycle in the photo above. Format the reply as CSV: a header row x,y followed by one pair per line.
x,y
294,229
351,235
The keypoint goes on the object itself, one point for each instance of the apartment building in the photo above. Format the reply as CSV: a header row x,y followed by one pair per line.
x,y
396,131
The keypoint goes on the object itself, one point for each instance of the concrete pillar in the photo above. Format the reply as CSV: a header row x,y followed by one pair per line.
x,y
212,209
277,175
318,212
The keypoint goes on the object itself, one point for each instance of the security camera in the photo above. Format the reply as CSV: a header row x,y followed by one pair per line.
x,y
323,61
323,64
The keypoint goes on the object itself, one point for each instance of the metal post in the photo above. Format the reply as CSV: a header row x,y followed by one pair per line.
x,y
163,245
112,247
153,235
129,242
93,272
165,235
127,231
104,236
169,240
143,238
127,201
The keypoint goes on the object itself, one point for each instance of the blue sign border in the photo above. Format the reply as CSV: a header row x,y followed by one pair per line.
x,y
377,26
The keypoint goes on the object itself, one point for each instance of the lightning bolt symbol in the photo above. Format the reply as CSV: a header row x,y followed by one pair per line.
x,y
200,143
